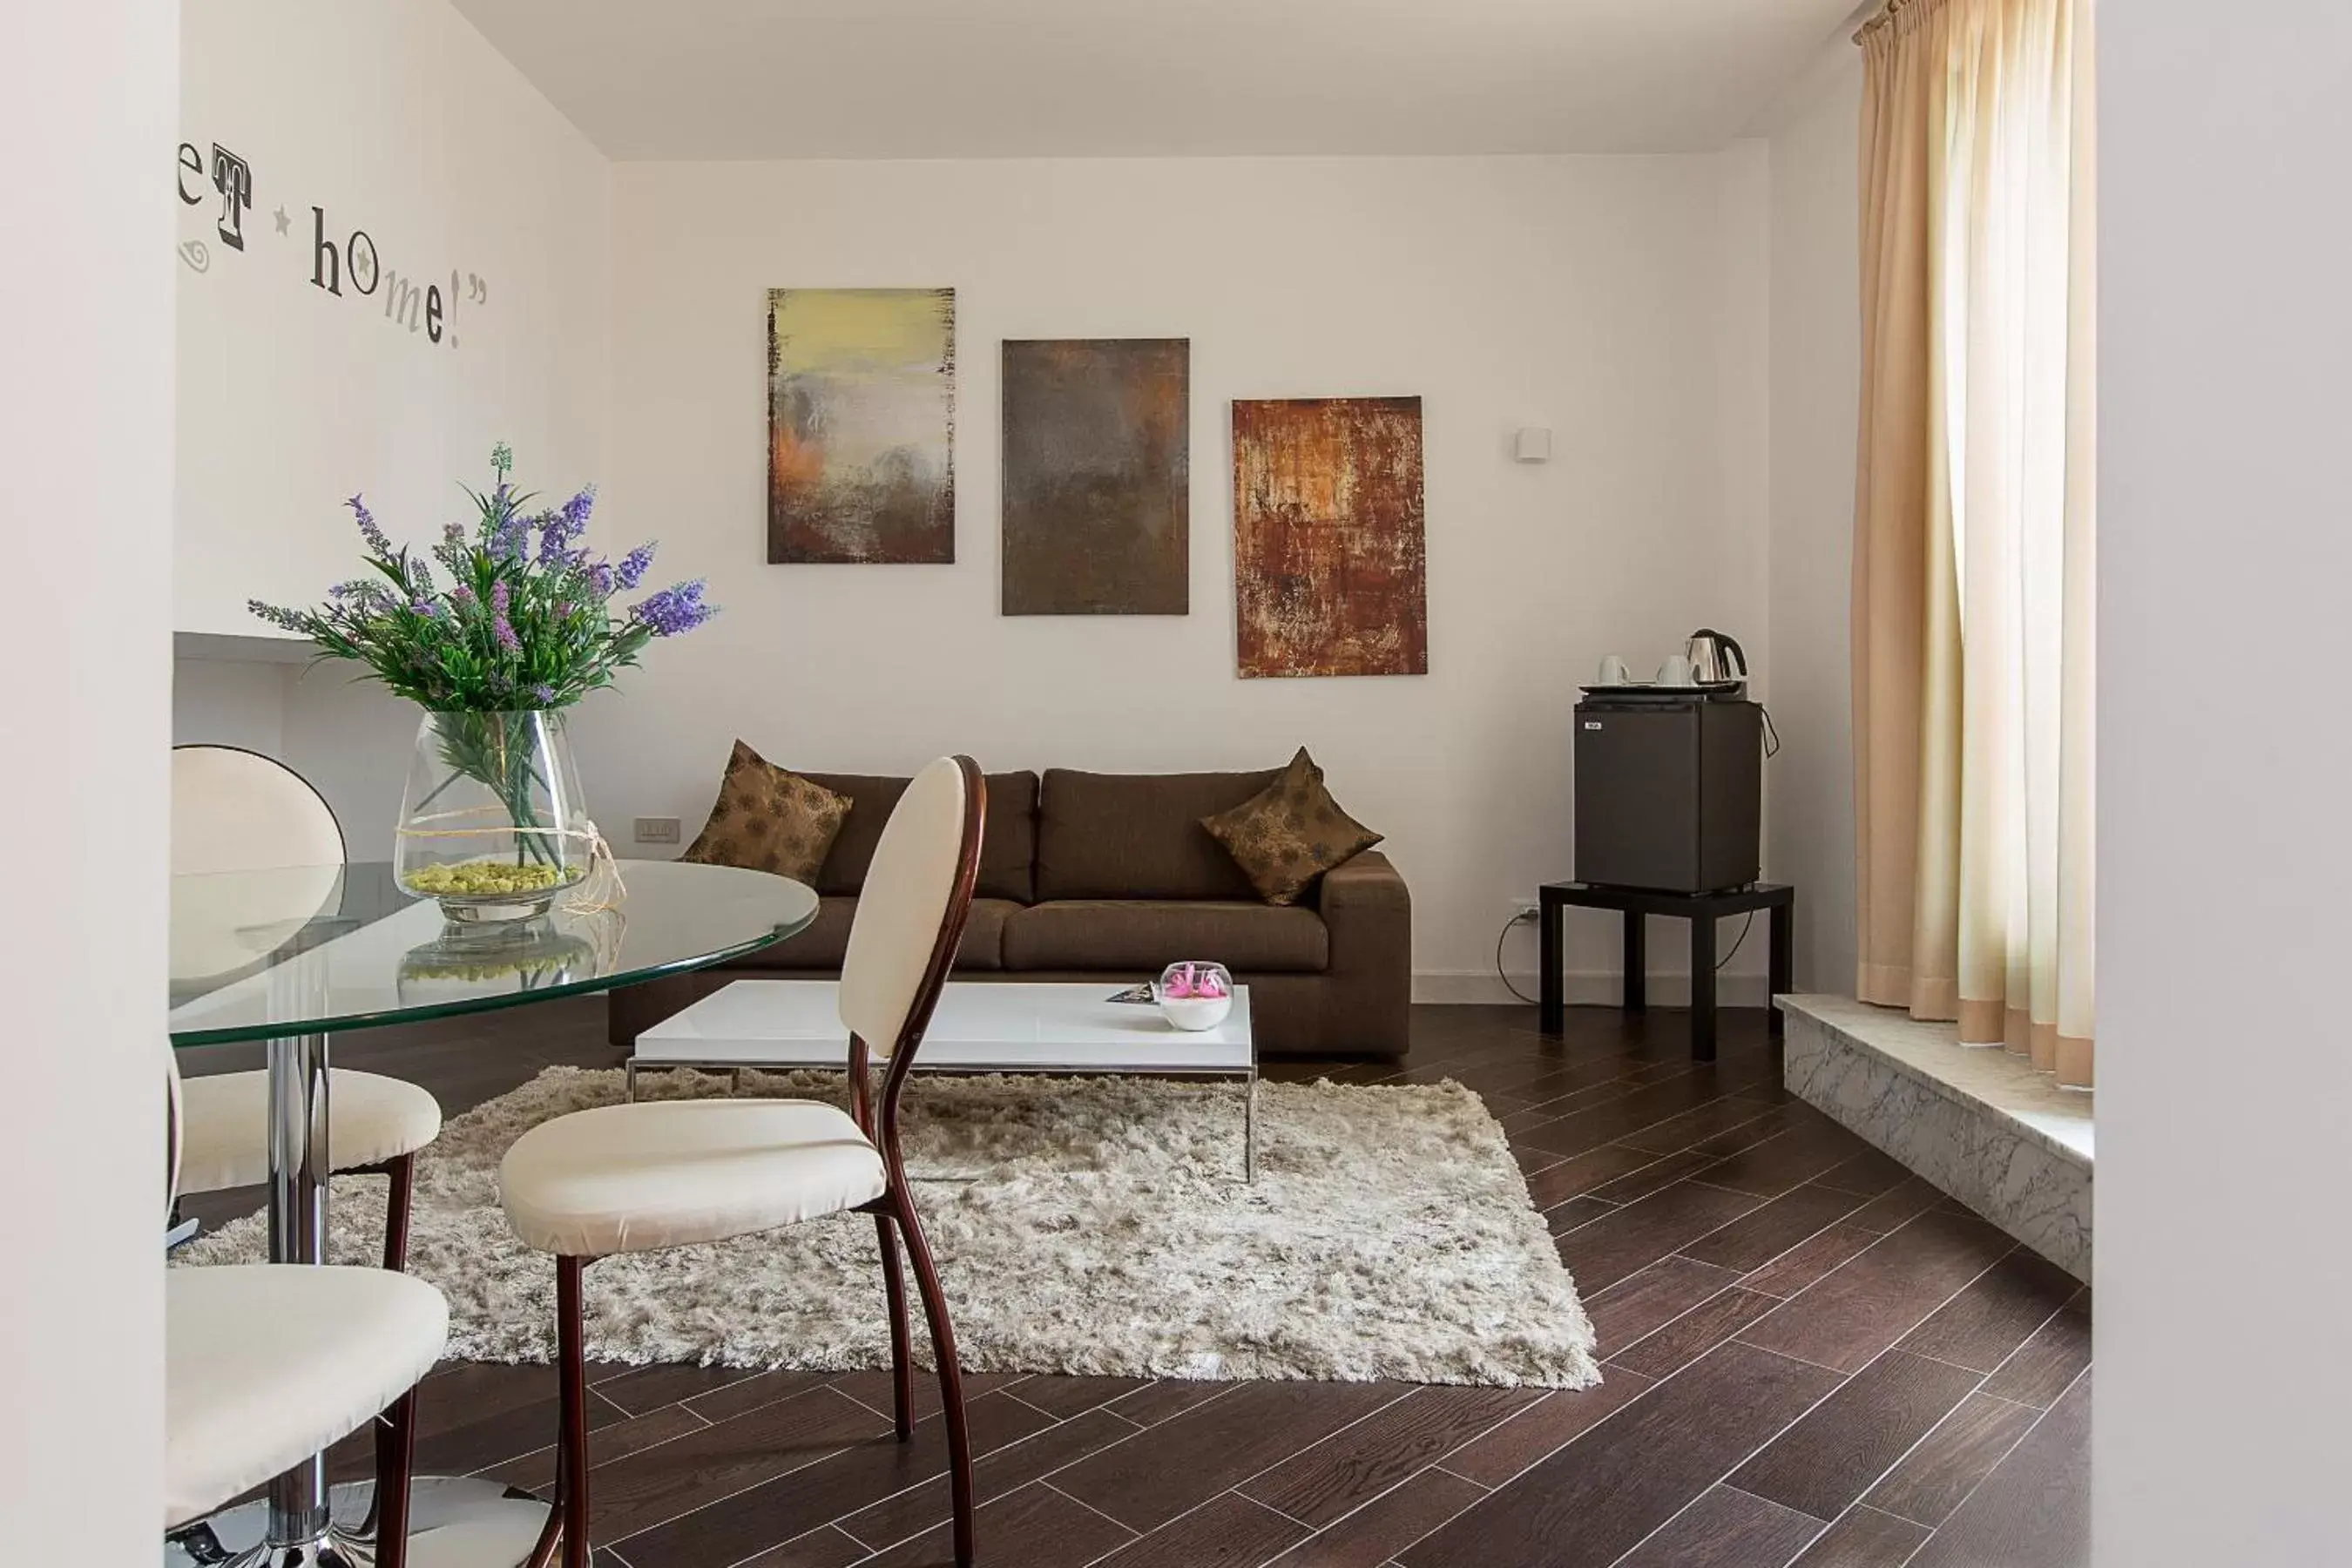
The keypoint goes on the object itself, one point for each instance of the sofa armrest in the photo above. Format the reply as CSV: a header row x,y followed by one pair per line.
x,y
1368,910
1365,885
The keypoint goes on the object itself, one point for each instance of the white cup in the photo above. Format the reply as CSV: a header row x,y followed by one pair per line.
x,y
1676,671
1614,672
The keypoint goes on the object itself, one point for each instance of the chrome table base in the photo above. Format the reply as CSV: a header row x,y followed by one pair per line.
x,y
454,1522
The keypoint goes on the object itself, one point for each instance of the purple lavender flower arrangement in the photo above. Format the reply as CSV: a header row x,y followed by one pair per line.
x,y
525,621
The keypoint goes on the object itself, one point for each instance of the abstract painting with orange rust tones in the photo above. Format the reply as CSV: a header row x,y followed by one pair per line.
x,y
861,425
1329,575
1098,477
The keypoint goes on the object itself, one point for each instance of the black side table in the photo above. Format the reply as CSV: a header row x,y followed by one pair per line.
x,y
1702,909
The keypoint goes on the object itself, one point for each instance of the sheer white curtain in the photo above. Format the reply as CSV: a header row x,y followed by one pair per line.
x,y
1974,605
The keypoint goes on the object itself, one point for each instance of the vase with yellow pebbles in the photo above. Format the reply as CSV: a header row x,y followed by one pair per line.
x,y
492,824
494,632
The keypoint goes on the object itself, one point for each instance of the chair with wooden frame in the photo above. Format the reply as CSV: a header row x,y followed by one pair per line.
x,y
651,1174
267,1363
235,810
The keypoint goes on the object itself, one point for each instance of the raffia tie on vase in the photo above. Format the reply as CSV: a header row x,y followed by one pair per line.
x,y
602,888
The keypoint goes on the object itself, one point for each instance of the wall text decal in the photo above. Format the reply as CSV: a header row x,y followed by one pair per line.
x,y
344,263
232,179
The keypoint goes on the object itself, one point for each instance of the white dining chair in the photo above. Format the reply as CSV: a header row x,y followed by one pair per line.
x,y
235,810
266,1365
651,1174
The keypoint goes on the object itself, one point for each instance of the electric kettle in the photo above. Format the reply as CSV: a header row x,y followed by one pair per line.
x,y
1714,658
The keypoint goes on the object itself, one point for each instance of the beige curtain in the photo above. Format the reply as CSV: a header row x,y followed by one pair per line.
x,y
1973,529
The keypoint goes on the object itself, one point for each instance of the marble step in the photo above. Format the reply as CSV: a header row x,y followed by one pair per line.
x,y
1976,1122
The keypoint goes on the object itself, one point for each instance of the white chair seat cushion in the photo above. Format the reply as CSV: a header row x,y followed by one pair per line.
x,y
656,1174
369,1119
266,1364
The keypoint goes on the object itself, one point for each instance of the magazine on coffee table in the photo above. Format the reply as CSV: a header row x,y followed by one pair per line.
x,y
1136,994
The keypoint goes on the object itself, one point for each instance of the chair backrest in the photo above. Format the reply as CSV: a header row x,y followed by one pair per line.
x,y
911,912
175,1129
235,810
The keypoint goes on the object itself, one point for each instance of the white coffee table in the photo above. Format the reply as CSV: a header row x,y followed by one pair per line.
x,y
978,1027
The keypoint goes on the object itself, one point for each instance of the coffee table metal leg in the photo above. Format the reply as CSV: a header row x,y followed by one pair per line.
x,y
1249,1131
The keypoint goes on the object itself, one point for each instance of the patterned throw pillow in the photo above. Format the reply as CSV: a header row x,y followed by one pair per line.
x,y
767,819
1289,832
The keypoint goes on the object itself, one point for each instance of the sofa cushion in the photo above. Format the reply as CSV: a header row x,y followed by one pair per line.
x,y
1141,937
767,819
1008,835
1291,833
1139,836
821,945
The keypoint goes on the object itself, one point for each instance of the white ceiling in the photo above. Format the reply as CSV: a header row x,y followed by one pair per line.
x,y
937,79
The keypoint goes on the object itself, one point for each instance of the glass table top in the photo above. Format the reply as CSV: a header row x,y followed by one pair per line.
x,y
313,949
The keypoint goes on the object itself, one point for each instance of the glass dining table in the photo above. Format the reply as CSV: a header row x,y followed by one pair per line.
x,y
296,955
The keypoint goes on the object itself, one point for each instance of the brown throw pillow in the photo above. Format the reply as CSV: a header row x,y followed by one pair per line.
x,y
767,819
1289,832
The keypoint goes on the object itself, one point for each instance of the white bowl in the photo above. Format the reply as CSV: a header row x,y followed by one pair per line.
x,y
1195,1011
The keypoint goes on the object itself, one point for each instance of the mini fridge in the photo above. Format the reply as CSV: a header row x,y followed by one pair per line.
x,y
1669,793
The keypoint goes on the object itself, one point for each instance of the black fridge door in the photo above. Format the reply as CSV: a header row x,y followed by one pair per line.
x,y
1637,795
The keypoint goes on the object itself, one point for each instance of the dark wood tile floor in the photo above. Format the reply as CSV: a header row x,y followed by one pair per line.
x,y
1811,1359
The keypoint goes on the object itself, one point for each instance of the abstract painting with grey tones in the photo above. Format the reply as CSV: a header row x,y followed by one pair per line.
x,y
861,425
1328,570
1098,477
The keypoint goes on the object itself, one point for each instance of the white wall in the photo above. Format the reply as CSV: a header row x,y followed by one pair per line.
x,y
86,96
1678,321
1816,360
2223,857
396,119
1618,301
230,702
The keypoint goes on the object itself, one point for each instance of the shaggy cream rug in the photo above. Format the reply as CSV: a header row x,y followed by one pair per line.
x,y
1389,1234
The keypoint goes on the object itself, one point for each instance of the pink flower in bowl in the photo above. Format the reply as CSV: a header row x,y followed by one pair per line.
x,y
1195,995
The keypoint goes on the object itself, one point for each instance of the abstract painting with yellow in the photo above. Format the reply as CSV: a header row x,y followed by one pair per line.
x,y
861,425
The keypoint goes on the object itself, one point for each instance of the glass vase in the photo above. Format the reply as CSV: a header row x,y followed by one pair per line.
x,y
1195,993
492,824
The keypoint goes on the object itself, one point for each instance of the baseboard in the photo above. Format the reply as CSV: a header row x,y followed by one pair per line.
x,y
1586,988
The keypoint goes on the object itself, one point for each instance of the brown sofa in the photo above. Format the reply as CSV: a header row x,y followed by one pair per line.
x,y
1106,879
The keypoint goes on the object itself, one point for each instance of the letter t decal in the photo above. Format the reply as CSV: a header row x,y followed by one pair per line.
x,y
232,178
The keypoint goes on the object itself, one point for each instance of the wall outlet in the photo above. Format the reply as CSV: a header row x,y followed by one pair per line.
x,y
1526,910
657,830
